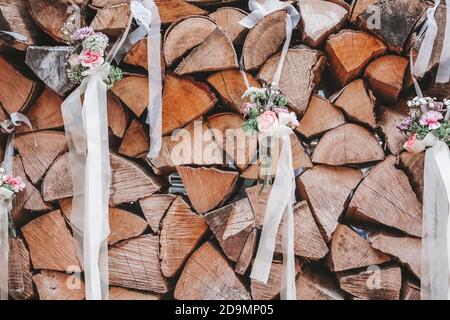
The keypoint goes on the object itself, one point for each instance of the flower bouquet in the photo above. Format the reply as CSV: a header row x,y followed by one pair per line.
x,y
265,114
88,54
9,187
428,121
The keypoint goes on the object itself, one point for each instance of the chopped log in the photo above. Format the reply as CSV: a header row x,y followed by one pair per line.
x,y
440,16
155,207
112,21
207,275
232,225
15,17
192,145
16,91
240,147
44,113
357,103
123,224
129,181
29,200
181,233
230,86
327,189
134,264
320,116
397,19
19,270
350,251
184,35
49,65
133,91
172,10
118,293
347,144
320,19
413,164
258,195
317,283
54,285
349,52
51,15
215,53
271,290
135,143
264,40
386,76
373,284
362,6
389,119
385,196
50,243
117,117
137,56
309,243
207,188
39,150
406,249
300,75
410,290
246,256
180,92
228,19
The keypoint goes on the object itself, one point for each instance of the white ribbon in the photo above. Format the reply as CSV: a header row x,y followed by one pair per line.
x,y
15,35
87,135
146,14
86,128
282,195
435,269
428,35
7,126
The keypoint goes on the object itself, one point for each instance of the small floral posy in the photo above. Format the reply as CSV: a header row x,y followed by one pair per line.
x,y
89,53
427,118
266,109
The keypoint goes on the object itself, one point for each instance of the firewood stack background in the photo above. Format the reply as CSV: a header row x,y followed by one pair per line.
x,y
358,216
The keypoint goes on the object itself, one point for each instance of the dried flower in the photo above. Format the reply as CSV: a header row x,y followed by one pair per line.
x,y
81,34
98,42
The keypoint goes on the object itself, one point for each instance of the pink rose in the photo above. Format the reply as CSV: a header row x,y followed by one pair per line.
x,y
267,121
431,119
16,183
414,145
91,59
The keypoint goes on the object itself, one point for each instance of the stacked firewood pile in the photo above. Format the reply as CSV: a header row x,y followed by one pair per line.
x,y
358,216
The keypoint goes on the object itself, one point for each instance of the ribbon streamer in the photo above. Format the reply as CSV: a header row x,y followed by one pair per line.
x,y
7,126
428,35
86,127
282,195
435,269
87,138
146,14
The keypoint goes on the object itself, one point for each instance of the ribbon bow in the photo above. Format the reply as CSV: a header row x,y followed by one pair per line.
x,y
7,126
428,33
